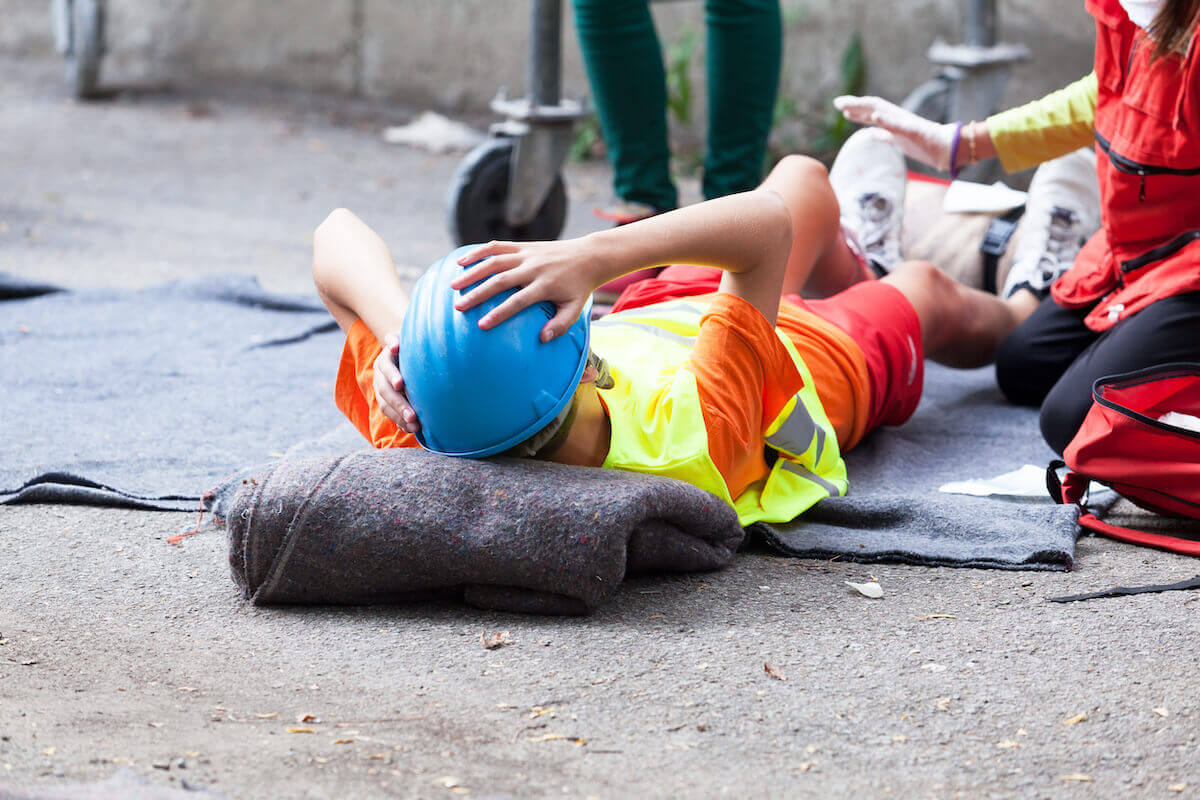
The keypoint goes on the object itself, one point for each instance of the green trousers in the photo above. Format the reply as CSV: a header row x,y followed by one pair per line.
x,y
624,62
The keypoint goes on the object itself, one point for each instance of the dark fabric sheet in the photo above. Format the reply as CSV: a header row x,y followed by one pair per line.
x,y
147,398
962,429
319,527
518,535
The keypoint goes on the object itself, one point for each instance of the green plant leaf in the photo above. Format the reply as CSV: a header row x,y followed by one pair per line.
x,y
852,76
854,67
679,76
587,136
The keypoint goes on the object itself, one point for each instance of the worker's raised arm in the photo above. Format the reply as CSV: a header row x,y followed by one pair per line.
x,y
748,235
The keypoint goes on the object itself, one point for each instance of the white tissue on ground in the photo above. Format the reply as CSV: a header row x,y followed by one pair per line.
x,y
435,133
980,198
1028,482
1178,420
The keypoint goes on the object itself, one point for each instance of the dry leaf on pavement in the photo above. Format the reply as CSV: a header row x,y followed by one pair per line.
x,y
558,737
495,640
774,671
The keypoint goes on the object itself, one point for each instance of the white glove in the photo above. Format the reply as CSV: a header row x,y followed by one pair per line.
x,y
917,137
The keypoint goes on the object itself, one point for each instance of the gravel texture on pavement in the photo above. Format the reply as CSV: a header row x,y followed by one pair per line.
x,y
772,678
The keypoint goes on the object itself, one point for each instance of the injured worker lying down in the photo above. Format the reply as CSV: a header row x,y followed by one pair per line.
x,y
747,368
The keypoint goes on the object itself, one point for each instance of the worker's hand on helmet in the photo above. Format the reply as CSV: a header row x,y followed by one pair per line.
x,y
389,387
926,141
563,273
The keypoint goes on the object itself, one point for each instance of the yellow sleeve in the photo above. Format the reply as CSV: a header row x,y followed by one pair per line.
x,y
1053,126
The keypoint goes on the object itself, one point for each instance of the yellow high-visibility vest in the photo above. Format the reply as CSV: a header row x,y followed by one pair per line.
x,y
658,427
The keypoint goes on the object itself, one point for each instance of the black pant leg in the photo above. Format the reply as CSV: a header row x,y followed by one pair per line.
x,y
1167,331
1031,360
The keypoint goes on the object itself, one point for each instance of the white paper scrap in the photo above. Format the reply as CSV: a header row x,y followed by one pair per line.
x,y
1027,482
872,590
435,133
970,197
1185,421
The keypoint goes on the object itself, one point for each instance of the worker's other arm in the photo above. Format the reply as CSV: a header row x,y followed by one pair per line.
x,y
748,235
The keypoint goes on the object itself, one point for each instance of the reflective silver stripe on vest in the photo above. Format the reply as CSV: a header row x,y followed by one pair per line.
x,y
796,433
807,474
646,327
659,310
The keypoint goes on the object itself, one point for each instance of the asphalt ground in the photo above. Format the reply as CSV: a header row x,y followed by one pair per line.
x,y
117,648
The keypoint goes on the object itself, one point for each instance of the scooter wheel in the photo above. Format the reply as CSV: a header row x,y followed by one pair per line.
x,y
931,99
478,194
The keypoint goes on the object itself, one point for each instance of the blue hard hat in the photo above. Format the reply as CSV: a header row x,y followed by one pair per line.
x,y
479,392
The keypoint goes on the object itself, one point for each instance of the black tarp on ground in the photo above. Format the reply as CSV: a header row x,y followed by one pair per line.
x,y
148,397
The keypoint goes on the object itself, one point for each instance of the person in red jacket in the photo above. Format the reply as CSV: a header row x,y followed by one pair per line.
x,y
1132,297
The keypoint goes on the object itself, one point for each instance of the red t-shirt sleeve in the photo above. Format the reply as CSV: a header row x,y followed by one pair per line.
x,y
354,392
745,376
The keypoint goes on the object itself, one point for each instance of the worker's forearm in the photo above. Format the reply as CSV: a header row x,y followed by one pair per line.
x,y
1028,135
1047,128
738,234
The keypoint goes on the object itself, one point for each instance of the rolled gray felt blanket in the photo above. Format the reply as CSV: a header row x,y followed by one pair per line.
x,y
518,535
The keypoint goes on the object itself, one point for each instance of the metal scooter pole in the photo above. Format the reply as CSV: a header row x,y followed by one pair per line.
x,y
541,124
981,62
970,78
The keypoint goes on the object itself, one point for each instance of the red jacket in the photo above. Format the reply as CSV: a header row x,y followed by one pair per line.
x,y
1148,161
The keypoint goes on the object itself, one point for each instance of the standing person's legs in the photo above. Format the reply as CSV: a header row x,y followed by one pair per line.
x,y
625,68
745,52
1167,331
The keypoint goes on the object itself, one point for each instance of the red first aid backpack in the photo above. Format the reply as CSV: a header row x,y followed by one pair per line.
x,y
1124,445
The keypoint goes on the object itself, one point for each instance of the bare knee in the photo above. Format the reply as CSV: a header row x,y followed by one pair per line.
x,y
799,168
960,326
923,284
930,292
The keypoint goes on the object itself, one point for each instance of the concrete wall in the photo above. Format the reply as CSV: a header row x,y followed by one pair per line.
x,y
453,54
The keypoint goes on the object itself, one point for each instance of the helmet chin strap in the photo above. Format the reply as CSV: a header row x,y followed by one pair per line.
x,y
604,379
549,438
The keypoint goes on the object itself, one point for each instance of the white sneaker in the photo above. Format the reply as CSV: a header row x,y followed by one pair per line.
x,y
868,176
1062,211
